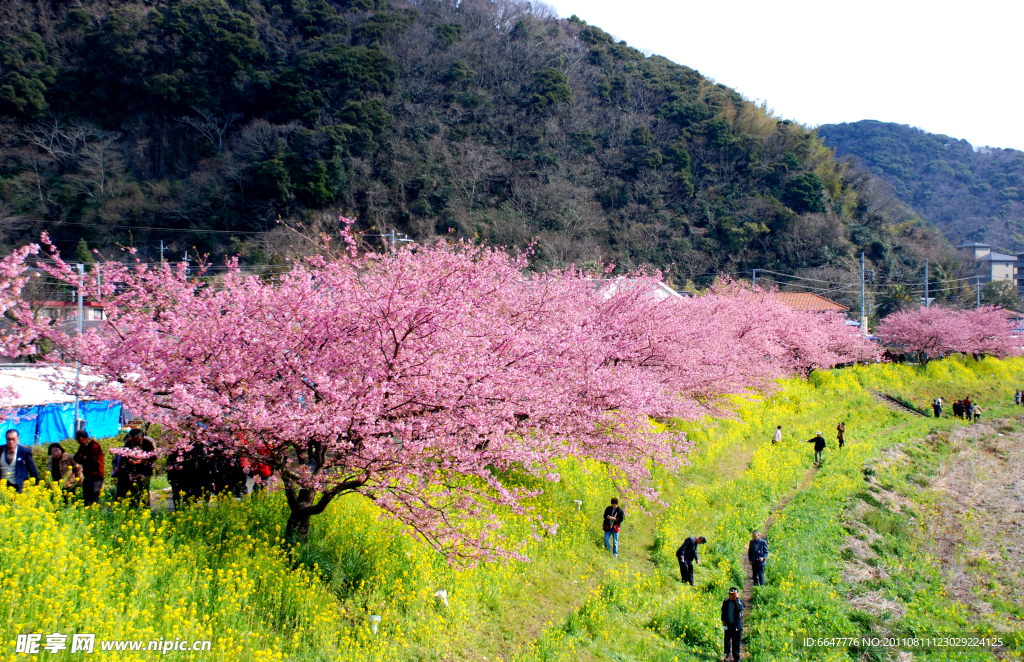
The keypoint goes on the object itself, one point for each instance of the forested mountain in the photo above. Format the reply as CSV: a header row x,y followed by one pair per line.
x,y
131,122
969,195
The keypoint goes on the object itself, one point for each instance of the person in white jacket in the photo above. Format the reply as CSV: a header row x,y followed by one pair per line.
x,y
778,435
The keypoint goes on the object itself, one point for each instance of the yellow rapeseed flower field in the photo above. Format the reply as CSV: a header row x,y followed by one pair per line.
x,y
222,571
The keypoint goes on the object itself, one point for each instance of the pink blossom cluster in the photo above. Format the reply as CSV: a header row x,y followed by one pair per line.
x,y
15,339
136,454
427,377
937,331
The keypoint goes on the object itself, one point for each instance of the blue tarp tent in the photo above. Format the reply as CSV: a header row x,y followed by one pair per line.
x,y
103,418
44,413
56,422
24,421
47,424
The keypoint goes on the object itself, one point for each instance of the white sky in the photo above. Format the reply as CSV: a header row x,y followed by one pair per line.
x,y
946,67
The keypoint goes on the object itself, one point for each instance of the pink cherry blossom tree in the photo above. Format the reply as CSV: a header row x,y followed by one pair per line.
x,y
16,340
935,332
424,378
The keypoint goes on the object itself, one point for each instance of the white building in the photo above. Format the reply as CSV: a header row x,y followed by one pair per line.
x,y
987,264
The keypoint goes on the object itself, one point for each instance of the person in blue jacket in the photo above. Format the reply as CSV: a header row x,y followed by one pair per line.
x,y
16,463
757,554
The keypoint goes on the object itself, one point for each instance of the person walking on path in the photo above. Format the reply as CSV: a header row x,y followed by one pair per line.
x,y
937,407
613,516
757,554
16,463
732,620
977,413
819,445
90,456
841,433
778,435
958,409
687,556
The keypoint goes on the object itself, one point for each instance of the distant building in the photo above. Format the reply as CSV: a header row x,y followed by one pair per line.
x,y
810,301
988,265
68,310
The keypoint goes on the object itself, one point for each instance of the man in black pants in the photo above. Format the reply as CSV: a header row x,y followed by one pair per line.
x,y
687,555
757,554
732,620
819,445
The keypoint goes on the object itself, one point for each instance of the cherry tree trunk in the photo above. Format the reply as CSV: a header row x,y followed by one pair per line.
x,y
302,510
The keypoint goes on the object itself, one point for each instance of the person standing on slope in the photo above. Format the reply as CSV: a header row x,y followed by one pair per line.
x,y
841,433
613,516
757,554
778,435
732,620
819,445
687,556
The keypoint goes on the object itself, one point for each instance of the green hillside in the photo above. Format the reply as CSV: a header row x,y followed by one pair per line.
x,y
969,195
200,122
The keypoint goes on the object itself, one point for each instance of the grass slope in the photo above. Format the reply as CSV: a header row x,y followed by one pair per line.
x,y
221,572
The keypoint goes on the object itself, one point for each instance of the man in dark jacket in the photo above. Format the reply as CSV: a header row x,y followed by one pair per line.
x,y
133,474
16,463
819,445
757,554
732,620
613,516
90,456
687,555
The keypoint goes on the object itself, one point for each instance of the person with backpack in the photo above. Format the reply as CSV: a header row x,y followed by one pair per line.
x,y
613,516
687,556
757,554
841,433
732,621
937,407
819,445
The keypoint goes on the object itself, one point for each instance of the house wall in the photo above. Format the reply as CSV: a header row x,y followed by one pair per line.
x,y
1002,271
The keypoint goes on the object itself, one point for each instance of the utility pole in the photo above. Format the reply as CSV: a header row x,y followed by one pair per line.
x,y
863,305
755,277
161,250
81,303
977,289
926,282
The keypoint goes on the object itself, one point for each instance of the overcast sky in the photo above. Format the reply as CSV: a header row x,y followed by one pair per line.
x,y
946,67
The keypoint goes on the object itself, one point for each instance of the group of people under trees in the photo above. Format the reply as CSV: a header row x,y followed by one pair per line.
x,y
193,474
